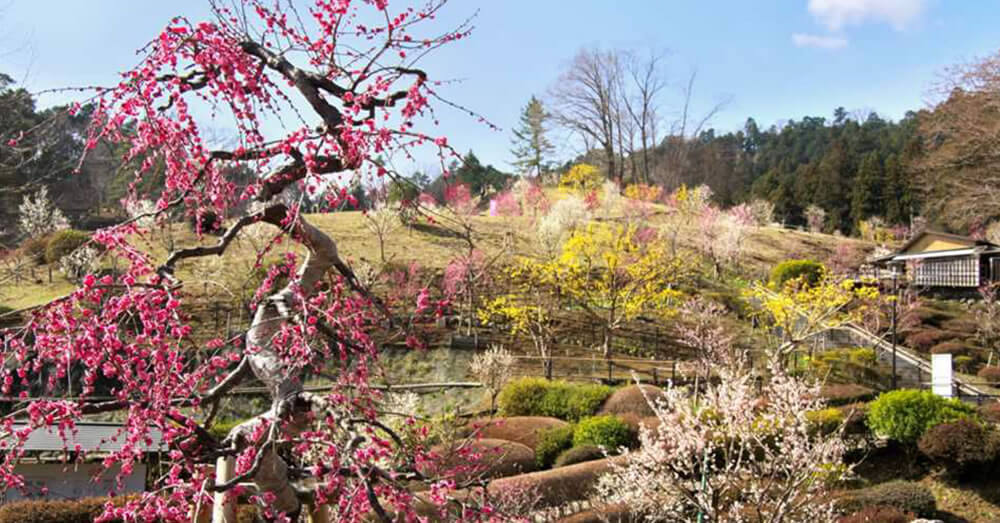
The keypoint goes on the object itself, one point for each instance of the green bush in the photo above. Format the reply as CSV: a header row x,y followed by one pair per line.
x,y
810,271
904,495
960,447
83,510
551,443
964,363
990,374
905,415
579,455
64,242
558,399
523,397
825,421
609,432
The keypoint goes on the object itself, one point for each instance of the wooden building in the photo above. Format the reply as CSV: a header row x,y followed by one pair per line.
x,y
941,260
47,475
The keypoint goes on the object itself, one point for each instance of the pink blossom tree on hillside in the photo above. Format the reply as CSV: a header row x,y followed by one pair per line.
x,y
311,93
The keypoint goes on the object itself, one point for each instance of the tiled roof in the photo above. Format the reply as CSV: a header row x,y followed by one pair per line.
x,y
91,436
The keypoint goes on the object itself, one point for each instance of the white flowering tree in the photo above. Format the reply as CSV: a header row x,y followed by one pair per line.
x,y
493,368
38,216
815,218
739,453
562,219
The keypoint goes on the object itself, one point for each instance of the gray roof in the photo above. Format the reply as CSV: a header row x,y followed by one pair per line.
x,y
91,436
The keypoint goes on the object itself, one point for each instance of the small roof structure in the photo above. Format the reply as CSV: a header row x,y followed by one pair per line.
x,y
91,436
936,244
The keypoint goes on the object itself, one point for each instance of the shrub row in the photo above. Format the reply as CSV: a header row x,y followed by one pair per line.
x,y
609,432
559,399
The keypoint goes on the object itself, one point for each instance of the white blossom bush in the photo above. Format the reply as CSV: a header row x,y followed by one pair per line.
x,y
611,199
564,216
815,218
732,453
80,262
493,368
142,211
762,211
38,216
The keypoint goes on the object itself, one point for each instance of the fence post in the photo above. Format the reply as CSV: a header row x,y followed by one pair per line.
x,y
656,381
611,369
673,371
224,506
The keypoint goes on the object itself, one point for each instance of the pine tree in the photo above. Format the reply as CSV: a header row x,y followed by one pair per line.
x,y
531,147
866,194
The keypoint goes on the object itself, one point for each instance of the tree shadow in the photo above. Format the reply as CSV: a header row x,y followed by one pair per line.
x,y
435,230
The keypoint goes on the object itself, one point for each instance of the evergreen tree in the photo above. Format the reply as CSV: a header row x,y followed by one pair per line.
x,y
531,147
898,200
866,193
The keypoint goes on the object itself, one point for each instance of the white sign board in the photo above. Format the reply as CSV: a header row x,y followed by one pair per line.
x,y
57,481
941,379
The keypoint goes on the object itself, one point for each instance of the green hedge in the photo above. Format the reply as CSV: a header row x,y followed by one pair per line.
x,y
810,271
606,431
558,399
905,415
63,242
551,443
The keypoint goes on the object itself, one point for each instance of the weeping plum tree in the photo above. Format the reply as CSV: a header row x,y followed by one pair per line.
x,y
311,93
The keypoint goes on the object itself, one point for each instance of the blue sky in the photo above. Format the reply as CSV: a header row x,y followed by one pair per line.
x,y
772,60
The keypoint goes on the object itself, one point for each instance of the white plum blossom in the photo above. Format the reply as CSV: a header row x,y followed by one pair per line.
x,y
39,216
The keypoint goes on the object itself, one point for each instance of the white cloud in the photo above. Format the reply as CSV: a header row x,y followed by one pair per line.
x,y
836,14
823,42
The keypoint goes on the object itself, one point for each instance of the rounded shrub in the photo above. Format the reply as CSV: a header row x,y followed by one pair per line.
x,y
551,443
990,412
523,397
63,242
961,447
990,374
558,399
83,510
579,455
950,347
632,400
609,432
879,514
905,415
526,430
924,339
496,459
825,421
809,271
843,394
908,496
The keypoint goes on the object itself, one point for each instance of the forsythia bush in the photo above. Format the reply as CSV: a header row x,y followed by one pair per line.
x,y
583,177
905,415
643,192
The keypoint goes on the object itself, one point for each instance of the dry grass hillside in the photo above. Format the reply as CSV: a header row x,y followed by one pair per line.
x,y
430,245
